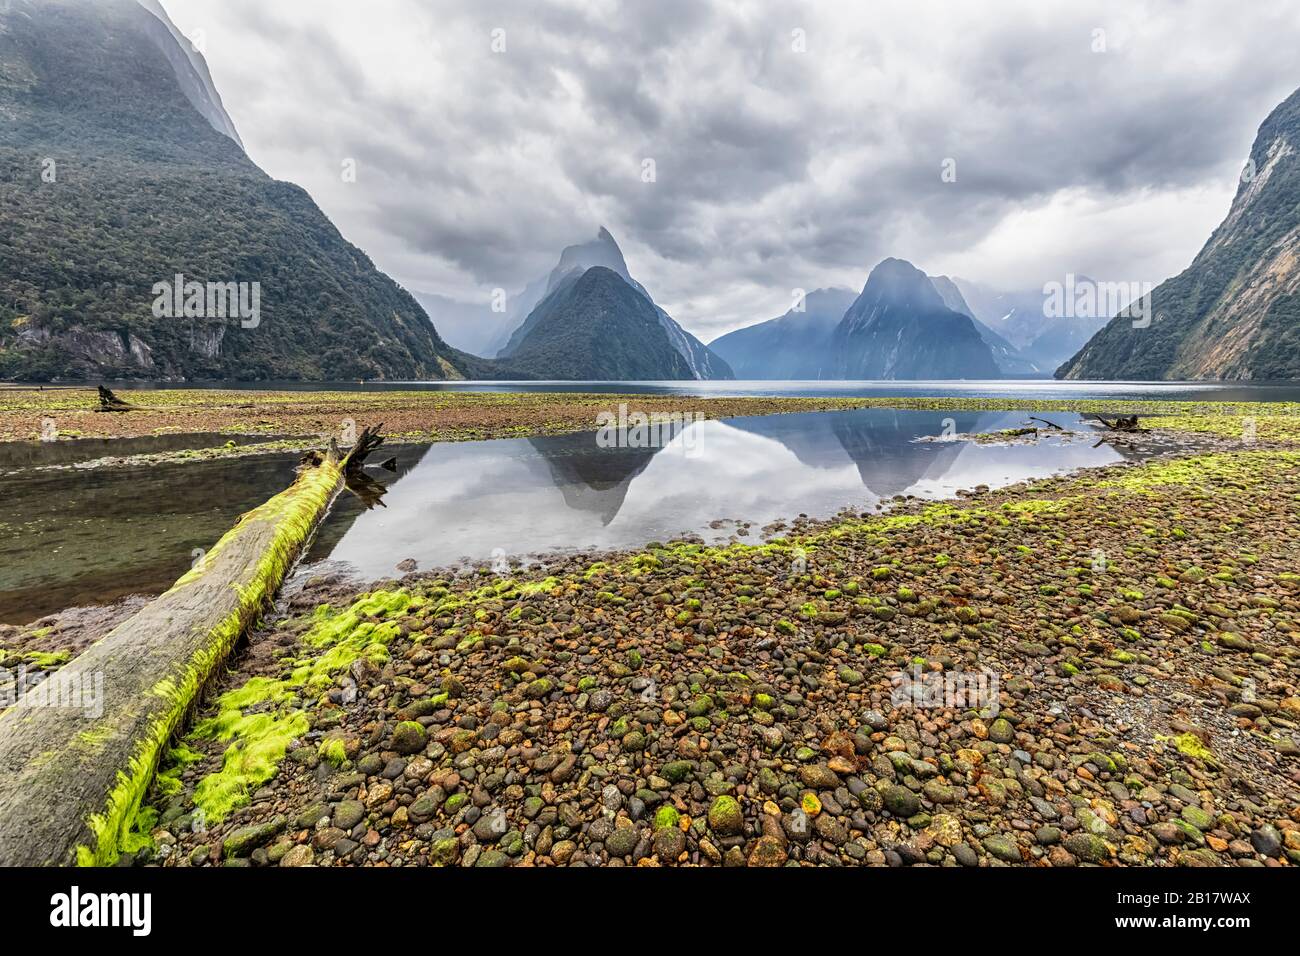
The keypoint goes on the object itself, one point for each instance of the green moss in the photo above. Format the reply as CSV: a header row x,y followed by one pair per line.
x,y
261,718
333,750
168,781
45,660
293,513
455,802
1190,745
667,818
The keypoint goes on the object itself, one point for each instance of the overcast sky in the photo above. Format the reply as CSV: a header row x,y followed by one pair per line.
x,y
794,144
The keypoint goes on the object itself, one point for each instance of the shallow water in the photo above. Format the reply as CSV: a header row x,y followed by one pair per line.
x,y
39,454
70,538
81,537
487,500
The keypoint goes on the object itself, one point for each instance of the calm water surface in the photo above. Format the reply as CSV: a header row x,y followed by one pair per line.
x,y
520,497
81,537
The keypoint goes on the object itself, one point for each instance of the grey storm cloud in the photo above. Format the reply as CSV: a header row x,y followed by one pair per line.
x,y
794,145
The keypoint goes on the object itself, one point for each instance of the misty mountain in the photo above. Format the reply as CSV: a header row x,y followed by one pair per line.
x,y
603,252
1021,318
1234,313
900,328
122,171
596,325
1009,359
472,327
795,345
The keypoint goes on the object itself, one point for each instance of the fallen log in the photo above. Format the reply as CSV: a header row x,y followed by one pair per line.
x,y
369,440
78,751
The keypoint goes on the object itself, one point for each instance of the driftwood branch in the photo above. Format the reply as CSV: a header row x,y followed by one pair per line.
x,y
1052,425
368,490
1123,423
109,402
79,751
369,440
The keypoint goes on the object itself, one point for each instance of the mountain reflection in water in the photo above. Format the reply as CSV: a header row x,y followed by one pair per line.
x,y
518,497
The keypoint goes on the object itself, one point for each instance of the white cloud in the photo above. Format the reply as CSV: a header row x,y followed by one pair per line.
x,y
775,168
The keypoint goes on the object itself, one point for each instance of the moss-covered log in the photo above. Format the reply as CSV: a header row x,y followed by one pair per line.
x,y
78,750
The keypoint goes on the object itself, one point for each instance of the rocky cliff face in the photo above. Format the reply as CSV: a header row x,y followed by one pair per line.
x,y
1234,313
126,172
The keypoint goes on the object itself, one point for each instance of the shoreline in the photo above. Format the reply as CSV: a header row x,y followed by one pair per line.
x,y
462,416
322,696
1177,435
404,713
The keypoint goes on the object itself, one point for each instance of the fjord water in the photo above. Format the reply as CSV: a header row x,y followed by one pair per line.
x,y
522,497
71,537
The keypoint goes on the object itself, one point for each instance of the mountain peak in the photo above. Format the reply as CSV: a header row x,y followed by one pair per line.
x,y
596,325
601,251
191,71
900,327
898,282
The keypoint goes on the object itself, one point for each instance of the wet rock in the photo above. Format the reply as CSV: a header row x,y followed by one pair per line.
x,y
246,839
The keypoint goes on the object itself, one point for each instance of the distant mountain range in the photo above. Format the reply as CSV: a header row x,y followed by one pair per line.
x,y
904,325
123,171
1021,319
1009,359
1234,313
792,346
